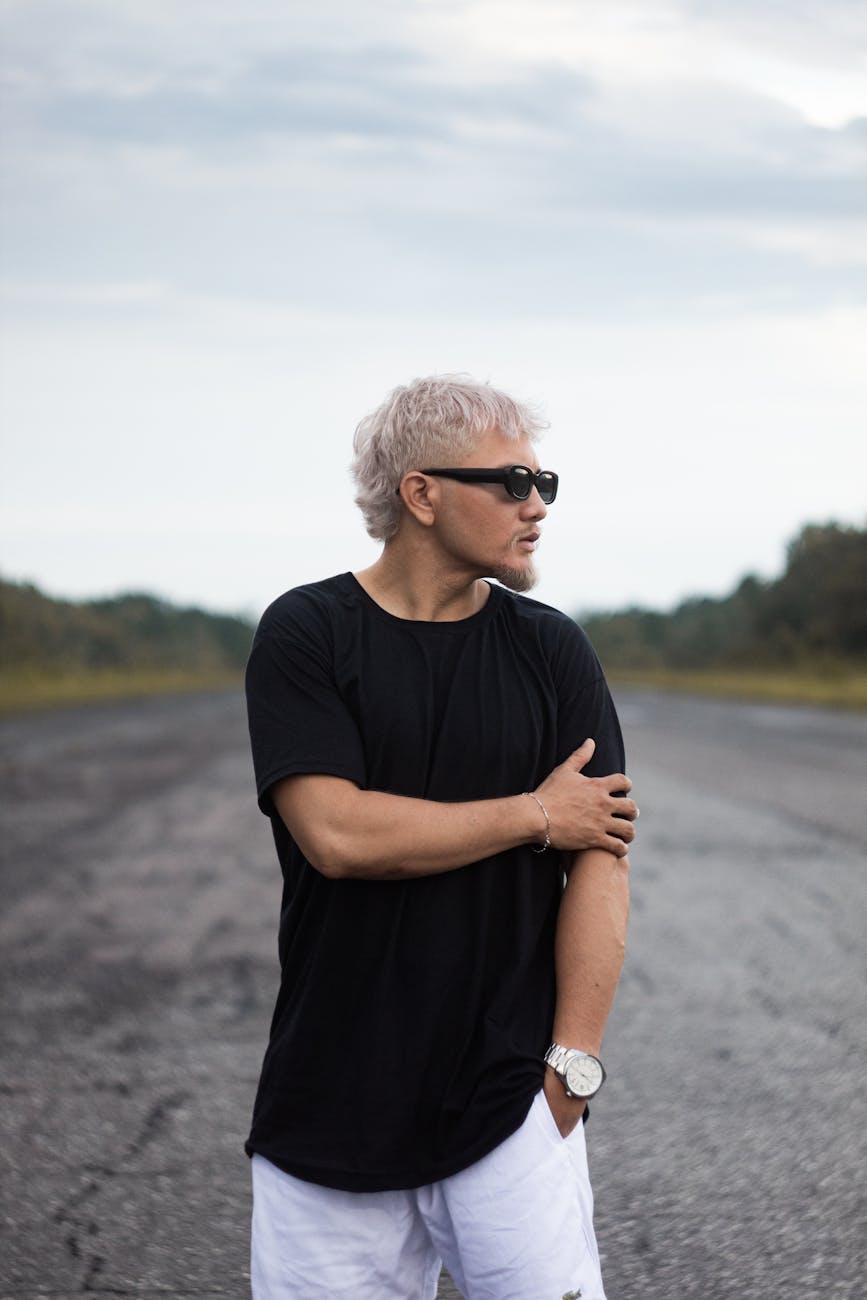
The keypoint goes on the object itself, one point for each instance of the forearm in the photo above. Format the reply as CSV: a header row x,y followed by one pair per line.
x,y
345,831
365,834
589,948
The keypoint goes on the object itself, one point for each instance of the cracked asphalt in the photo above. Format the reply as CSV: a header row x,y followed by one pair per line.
x,y
138,969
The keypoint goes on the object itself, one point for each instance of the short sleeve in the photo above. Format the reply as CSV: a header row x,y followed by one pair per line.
x,y
298,721
585,707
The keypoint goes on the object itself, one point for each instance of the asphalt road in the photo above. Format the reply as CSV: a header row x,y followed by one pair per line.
x,y
138,966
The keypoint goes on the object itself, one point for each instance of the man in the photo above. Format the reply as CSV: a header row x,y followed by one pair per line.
x,y
422,741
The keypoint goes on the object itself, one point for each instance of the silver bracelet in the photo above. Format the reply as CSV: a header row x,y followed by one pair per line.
x,y
542,847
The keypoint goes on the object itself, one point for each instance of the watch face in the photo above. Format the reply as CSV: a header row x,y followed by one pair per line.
x,y
583,1075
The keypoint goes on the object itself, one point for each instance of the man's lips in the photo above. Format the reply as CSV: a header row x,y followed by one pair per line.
x,y
529,541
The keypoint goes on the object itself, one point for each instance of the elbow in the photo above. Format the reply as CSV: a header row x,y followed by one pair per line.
x,y
328,867
338,854
322,816
343,861
331,855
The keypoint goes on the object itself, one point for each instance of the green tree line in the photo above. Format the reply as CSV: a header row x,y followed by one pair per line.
x,y
815,613
126,633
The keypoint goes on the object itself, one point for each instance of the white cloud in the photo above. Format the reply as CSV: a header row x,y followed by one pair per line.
x,y
809,56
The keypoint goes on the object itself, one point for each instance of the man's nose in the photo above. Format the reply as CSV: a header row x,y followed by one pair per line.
x,y
534,507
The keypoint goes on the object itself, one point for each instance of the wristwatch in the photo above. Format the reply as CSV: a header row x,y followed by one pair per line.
x,y
582,1074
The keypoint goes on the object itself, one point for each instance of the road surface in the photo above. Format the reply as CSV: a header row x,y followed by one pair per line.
x,y
138,967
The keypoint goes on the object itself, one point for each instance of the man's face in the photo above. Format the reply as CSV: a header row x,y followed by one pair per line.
x,y
480,527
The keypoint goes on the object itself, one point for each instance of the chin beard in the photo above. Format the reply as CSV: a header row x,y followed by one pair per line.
x,y
516,579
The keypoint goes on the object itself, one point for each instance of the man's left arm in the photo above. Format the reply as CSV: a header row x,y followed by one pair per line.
x,y
589,950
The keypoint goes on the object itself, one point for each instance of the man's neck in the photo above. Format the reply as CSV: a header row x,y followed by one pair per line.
x,y
405,586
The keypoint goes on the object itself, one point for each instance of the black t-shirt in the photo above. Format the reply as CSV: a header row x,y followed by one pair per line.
x,y
413,1015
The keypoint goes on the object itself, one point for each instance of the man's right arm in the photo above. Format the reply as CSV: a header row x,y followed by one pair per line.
x,y
349,833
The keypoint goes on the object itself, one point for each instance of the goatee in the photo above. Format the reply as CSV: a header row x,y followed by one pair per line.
x,y
516,579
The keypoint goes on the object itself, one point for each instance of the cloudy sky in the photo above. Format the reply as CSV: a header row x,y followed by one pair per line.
x,y
229,228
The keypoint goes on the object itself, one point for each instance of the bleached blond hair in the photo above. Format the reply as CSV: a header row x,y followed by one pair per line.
x,y
427,423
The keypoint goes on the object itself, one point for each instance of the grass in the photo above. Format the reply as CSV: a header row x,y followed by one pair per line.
x,y
837,686
23,691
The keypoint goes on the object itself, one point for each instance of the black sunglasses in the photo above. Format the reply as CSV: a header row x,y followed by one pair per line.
x,y
518,480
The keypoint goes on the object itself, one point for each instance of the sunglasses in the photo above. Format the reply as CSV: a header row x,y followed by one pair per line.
x,y
518,480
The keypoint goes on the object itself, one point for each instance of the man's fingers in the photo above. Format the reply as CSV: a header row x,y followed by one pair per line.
x,y
615,846
624,831
627,809
618,783
583,753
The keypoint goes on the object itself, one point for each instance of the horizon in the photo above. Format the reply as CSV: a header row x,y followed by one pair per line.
x,y
579,614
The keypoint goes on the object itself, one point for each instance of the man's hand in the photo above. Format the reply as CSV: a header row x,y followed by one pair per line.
x,y
567,1111
585,811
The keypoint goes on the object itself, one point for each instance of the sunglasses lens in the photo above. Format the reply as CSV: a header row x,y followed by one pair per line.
x,y
520,483
546,483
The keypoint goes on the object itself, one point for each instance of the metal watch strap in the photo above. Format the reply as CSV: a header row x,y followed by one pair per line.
x,y
556,1056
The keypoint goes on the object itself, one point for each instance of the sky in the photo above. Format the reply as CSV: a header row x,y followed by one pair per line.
x,y
229,229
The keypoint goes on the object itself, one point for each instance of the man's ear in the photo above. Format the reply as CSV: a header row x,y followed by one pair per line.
x,y
420,496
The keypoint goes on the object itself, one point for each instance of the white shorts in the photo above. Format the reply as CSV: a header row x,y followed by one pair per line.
x,y
516,1225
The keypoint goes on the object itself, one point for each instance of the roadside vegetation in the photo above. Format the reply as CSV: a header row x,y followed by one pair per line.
x,y
61,652
800,637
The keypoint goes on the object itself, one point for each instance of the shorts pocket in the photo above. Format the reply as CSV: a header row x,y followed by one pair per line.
x,y
545,1118
547,1121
